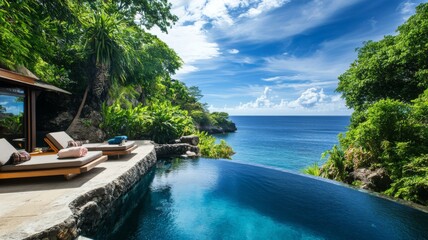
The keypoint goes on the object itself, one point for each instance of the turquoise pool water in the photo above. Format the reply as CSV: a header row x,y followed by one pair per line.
x,y
215,199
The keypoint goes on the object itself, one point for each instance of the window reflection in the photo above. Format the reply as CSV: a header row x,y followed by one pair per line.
x,y
12,116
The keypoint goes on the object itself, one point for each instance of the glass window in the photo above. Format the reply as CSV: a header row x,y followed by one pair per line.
x,y
12,116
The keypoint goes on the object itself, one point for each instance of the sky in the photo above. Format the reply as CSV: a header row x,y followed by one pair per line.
x,y
276,57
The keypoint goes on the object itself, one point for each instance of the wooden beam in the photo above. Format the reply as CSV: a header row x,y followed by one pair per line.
x,y
16,77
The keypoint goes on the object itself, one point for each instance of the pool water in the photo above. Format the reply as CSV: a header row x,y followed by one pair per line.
x,y
215,199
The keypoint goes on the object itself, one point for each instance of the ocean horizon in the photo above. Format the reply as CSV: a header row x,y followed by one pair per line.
x,y
285,142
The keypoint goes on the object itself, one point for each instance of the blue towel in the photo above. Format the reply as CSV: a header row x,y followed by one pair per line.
x,y
121,137
117,140
114,141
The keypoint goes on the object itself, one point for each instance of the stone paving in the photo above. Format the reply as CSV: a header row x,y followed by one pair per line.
x,y
31,206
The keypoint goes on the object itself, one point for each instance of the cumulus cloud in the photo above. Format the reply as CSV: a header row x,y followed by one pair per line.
x,y
312,101
263,6
261,102
192,46
310,98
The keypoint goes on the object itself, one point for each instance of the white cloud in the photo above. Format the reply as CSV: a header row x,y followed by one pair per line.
x,y
233,51
310,98
288,22
263,6
312,101
261,102
192,47
407,9
273,79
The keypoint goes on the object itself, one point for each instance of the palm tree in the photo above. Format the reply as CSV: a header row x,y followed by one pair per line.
x,y
109,46
107,40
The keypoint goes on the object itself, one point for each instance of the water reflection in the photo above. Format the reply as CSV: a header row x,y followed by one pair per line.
x,y
12,116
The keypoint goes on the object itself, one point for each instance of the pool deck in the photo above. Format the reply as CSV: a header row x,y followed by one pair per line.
x,y
30,206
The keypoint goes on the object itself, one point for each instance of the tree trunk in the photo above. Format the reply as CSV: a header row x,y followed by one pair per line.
x,y
99,85
79,111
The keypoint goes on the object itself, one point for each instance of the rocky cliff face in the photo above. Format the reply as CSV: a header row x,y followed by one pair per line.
x,y
222,128
185,146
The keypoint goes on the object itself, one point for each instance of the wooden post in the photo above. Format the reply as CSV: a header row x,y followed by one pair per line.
x,y
30,109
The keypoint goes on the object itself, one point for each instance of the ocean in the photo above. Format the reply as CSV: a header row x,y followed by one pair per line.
x,y
285,142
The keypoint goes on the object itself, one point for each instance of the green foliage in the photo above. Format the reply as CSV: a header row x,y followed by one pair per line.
x,y
221,119
168,122
200,117
413,186
387,87
395,67
210,149
313,170
12,124
336,165
125,121
161,122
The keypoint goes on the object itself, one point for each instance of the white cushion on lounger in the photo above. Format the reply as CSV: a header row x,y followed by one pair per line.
x,y
109,147
60,139
6,150
51,162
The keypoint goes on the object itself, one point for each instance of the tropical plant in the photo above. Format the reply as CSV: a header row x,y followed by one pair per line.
x,y
132,122
387,87
313,170
210,149
394,67
12,123
168,122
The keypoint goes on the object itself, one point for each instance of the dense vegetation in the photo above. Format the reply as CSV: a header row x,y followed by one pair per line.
x,y
101,51
387,86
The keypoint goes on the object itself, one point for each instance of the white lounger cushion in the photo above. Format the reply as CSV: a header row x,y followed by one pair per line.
x,y
51,162
61,139
109,147
6,150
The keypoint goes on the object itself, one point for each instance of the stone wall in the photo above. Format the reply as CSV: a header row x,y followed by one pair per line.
x,y
175,149
90,208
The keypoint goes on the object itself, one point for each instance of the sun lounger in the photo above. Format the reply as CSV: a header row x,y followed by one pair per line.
x,y
59,140
46,165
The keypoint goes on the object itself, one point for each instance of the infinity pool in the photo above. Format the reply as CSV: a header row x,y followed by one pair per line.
x,y
214,199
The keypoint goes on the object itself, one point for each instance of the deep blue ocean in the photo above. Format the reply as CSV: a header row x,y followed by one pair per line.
x,y
286,142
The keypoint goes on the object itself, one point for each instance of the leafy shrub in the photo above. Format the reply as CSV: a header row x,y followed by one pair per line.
x,y
413,186
168,122
221,119
200,117
160,122
335,166
12,123
125,121
313,170
209,148
391,135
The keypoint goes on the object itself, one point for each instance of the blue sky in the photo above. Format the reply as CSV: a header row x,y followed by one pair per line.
x,y
276,57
